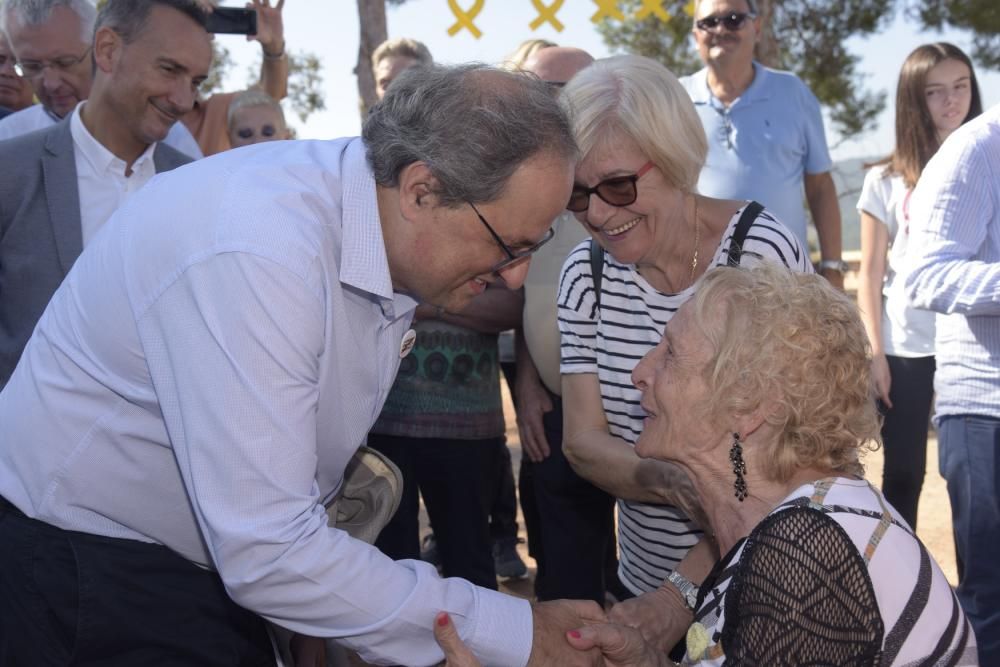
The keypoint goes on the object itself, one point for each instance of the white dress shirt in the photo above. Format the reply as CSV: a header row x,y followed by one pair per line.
x,y
101,181
36,117
202,377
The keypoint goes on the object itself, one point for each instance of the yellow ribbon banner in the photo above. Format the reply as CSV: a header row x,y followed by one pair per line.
x,y
607,9
547,13
652,7
466,18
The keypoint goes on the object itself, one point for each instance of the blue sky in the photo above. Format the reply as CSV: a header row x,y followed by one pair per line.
x,y
329,28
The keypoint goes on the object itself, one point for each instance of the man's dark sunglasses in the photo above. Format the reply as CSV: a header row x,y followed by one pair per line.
x,y
514,257
617,191
731,22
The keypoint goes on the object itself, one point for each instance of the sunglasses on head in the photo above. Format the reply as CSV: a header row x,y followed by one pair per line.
x,y
617,191
732,22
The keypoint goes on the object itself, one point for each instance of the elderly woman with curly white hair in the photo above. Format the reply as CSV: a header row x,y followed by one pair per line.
x,y
760,390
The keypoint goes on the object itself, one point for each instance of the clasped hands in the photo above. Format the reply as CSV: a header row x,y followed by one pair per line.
x,y
566,632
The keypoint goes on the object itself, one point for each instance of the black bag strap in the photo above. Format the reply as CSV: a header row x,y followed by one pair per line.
x,y
597,271
750,214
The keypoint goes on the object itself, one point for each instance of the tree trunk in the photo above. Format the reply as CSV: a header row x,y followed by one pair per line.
x,y
767,52
371,19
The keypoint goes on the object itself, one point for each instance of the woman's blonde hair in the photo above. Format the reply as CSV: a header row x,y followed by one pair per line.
x,y
641,99
793,346
525,50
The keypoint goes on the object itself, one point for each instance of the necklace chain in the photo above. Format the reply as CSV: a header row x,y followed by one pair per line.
x,y
697,241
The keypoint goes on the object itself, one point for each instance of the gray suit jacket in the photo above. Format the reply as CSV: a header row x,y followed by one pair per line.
x,y
40,228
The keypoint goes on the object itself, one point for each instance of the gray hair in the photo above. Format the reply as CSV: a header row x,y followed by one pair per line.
x,y
473,126
254,97
35,12
637,97
128,17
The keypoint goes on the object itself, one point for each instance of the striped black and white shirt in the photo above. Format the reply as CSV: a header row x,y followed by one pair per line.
x,y
652,539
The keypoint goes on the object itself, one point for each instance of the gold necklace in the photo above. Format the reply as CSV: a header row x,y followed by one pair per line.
x,y
697,241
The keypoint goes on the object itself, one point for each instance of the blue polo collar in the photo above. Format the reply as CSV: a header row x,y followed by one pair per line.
x,y
758,90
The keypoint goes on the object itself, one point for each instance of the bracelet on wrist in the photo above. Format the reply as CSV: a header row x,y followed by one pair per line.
x,y
834,265
274,56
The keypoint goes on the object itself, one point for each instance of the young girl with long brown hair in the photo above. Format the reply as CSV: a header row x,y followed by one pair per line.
x,y
937,93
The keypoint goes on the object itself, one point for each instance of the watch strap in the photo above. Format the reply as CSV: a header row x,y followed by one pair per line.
x,y
834,265
688,591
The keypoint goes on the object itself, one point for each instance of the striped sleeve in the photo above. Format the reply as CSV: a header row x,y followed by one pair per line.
x,y
577,313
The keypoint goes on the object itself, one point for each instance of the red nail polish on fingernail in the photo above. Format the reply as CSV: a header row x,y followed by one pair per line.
x,y
443,620
575,634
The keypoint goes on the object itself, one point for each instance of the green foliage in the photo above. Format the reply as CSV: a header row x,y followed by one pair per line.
x,y
980,17
305,83
222,62
811,41
667,43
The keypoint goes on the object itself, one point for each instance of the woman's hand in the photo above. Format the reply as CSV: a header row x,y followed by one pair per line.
x,y
621,646
882,379
650,614
456,653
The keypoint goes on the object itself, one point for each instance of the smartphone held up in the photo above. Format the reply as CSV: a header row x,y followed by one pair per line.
x,y
232,21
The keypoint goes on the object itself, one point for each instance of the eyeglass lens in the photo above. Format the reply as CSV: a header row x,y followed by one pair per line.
x,y
731,22
617,191
31,69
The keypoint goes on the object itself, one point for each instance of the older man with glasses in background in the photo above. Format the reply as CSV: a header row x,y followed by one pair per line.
x,y
765,130
15,91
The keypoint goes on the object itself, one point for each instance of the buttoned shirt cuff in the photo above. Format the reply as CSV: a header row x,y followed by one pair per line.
x,y
503,630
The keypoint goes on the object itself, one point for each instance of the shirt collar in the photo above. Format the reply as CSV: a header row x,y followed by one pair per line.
x,y
100,158
702,94
363,260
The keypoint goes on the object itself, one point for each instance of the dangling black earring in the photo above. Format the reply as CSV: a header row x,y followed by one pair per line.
x,y
739,467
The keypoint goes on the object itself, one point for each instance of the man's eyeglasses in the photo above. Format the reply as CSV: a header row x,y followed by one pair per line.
x,y
731,22
4,59
32,69
513,257
617,191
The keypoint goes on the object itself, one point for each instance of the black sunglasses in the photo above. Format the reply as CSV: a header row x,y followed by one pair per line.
x,y
513,257
617,191
731,22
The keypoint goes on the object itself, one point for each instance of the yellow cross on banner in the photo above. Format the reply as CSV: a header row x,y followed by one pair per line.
x,y
689,8
652,7
607,9
547,13
466,18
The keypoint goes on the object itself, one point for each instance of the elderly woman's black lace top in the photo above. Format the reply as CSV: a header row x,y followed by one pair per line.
x,y
829,584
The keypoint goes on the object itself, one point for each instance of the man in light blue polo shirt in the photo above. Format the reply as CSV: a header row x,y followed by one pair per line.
x,y
764,128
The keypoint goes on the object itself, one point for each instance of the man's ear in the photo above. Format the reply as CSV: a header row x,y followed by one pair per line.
x,y
417,188
758,28
108,45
